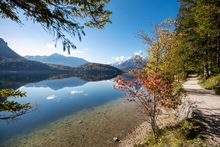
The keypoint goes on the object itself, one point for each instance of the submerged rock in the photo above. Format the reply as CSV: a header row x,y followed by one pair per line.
x,y
116,139
80,122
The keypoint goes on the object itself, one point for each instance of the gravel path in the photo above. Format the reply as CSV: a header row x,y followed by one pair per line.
x,y
206,107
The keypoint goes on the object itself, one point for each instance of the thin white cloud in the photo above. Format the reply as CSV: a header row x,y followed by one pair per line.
x,y
140,53
123,58
77,51
51,97
119,59
50,46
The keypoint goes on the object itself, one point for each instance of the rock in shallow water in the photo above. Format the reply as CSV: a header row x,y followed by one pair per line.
x,y
116,139
80,122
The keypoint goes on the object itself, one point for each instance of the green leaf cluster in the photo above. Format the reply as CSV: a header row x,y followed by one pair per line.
x,y
14,108
199,26
62,18
4,93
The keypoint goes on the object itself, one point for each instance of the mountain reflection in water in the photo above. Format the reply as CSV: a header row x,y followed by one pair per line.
x,y
54,97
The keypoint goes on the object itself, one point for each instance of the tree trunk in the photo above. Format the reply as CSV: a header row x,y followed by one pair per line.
x,y
154,127
218,52
153,119
206,64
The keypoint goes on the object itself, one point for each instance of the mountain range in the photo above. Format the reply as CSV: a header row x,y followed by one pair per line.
x,y
11,61
14,63
134,62
57,84
7,52
58,59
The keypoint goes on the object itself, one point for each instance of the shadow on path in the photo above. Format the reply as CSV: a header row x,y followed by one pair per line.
x,y
211,124
204,105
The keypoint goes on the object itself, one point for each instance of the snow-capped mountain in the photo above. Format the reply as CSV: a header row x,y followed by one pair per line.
x,y
134,62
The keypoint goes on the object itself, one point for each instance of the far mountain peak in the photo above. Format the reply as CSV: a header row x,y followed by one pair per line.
x,y
134,62
58,59
7,52
55,54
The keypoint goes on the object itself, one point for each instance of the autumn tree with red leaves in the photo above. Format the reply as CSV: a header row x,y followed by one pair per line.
x,y
152,93
155,87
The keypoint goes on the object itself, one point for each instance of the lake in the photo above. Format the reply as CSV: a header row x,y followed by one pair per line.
x,y
68,111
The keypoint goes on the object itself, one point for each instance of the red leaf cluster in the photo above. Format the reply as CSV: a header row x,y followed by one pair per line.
x,y
149,88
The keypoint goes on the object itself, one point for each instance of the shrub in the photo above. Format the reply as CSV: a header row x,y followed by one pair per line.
x,y
152,93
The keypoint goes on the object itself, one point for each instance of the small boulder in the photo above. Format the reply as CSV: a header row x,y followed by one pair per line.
x,y
80,122
116,139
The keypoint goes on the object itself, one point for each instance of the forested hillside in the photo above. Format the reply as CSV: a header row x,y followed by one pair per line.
x,y
199,36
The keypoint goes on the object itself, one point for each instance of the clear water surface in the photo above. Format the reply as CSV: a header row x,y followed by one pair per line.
x,y
67,100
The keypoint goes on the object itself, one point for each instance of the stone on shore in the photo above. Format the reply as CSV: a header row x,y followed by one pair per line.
x,y
116,139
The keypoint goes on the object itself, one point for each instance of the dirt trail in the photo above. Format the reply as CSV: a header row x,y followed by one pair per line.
x,y
206,107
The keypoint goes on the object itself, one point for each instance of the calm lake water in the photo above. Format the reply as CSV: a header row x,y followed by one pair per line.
x,y
69,112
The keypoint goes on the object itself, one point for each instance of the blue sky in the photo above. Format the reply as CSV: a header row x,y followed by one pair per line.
x,y
115,42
